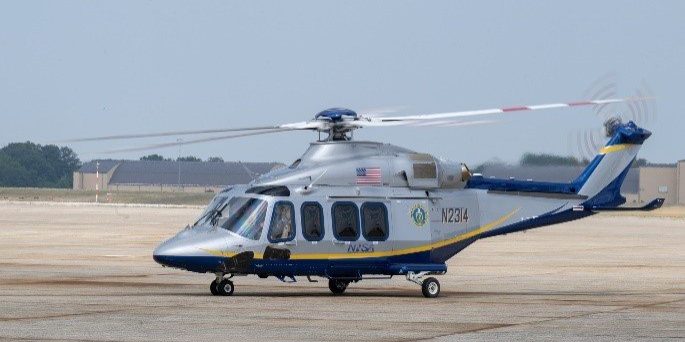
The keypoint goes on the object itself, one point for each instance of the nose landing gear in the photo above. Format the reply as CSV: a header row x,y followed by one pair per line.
x,y
221,286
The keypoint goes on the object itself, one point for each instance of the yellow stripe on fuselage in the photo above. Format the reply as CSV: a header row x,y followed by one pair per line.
x,y
381,254
614,148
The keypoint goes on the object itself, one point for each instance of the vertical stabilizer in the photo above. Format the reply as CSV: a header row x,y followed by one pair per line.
x,y
601,181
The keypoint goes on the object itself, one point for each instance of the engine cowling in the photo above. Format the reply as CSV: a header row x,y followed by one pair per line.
x,y
453,175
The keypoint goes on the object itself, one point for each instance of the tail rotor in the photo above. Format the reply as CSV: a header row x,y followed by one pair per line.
x,y
585,143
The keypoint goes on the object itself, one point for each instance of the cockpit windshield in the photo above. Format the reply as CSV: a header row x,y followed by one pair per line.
x,y
244,216
210,212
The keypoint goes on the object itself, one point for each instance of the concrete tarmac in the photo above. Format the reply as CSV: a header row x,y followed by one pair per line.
x,y
85,273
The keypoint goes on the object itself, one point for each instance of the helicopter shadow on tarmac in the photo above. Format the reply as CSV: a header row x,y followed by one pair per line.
x,y
409,293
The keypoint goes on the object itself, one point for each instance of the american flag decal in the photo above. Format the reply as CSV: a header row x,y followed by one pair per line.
x,y
368,176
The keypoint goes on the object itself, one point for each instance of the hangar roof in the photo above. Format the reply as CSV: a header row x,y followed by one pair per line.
x,y
105,166
191,173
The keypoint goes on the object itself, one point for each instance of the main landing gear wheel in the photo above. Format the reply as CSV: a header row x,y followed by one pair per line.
x,y
337,286
430,287
213,288
224,287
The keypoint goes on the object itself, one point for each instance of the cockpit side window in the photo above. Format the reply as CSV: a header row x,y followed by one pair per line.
x,y
345,221
282,222
312,221
295,164
374,221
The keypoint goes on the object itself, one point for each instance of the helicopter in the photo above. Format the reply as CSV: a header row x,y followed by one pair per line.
x,y
350,210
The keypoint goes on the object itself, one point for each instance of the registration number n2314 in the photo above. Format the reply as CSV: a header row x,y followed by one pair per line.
x,y
455,215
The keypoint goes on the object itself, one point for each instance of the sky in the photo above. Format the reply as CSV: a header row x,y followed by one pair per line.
x,y
73,69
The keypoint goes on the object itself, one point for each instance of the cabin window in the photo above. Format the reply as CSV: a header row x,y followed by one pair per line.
x,y
312,221
374,221
345,221
282,222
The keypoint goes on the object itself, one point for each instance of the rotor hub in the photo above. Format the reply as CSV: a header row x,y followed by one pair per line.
x,y
336,114
337,119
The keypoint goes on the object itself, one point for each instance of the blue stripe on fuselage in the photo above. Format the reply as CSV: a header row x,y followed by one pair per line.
x,y
394,265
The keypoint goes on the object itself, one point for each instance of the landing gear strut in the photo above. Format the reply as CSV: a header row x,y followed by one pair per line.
x,y
430,287
221,286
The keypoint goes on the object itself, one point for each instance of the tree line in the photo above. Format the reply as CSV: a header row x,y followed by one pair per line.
x,y
33,165
28,164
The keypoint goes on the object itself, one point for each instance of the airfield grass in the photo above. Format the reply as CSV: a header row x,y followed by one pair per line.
x,y
86,196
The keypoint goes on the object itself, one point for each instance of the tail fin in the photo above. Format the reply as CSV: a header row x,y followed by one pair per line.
x,y
601,181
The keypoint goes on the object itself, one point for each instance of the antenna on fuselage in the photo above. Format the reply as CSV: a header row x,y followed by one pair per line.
x,y
308,188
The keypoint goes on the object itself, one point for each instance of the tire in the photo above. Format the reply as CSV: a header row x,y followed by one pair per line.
x,y
213,288
337,286
225,287
430,287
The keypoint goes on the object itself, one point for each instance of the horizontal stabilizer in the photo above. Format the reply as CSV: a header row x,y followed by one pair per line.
x,y
654,204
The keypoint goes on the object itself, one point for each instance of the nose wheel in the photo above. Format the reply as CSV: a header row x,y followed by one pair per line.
x,y
221,287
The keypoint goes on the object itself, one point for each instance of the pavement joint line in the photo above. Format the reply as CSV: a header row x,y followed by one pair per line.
x,y
11,319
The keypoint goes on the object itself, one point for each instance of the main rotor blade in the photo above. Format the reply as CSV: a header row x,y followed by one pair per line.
x,y
423,123
197,141
453,123
425,117
171,133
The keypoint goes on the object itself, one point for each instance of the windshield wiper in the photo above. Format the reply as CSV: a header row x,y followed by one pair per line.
x,y
216,214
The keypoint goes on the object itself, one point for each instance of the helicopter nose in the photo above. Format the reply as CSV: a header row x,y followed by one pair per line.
x,y
166,254
187,251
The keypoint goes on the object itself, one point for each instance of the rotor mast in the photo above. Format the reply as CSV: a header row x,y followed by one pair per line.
x,y
335,126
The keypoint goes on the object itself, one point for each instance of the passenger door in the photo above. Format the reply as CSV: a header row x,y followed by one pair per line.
x,y
375,226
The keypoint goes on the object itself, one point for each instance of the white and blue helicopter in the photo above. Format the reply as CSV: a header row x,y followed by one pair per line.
x,y
351,210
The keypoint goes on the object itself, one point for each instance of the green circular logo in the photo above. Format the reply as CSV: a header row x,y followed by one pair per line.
x,y
418,215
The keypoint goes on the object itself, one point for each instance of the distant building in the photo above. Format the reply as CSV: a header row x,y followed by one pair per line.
x,y
95,172
641,184
667,181
134,175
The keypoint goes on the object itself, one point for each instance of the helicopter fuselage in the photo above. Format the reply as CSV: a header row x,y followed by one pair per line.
x,y
346,232
347,210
